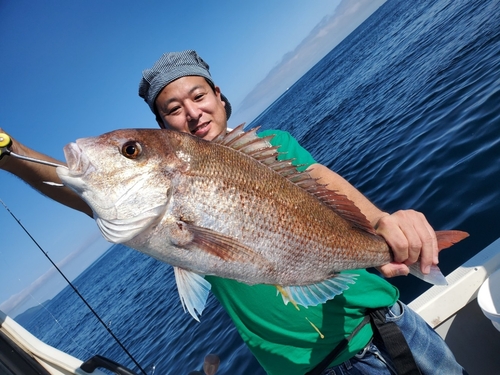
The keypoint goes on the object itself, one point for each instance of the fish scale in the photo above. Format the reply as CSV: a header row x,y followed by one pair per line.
x,y
227,208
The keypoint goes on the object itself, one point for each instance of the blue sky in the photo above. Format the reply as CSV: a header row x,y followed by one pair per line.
x,y
70,69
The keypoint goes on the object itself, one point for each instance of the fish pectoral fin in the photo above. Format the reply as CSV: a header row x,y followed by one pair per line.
x,y
193,291
222,246
315,294
123,230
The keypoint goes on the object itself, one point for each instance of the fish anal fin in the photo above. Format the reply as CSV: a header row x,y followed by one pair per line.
x,y
315,294
286,296
193,291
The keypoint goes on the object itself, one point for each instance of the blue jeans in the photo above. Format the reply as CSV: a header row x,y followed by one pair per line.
x,y
431,353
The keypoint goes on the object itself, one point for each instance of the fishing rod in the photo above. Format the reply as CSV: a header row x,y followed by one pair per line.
x,y
5,143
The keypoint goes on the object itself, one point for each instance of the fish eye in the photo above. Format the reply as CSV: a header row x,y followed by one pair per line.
x,y
131,149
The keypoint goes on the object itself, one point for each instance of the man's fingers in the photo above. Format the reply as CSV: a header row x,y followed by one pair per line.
x,y
394,269
410,237
388,228
429,249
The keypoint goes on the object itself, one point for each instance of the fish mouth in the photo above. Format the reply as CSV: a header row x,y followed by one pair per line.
x,y
77,161
78,165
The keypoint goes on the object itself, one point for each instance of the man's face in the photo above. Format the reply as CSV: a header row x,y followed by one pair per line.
x,y
189,105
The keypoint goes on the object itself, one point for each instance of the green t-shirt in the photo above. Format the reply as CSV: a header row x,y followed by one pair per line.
x,y
279,336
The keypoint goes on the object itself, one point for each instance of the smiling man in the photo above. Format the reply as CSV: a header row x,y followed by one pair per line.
x,y
182,95
180,92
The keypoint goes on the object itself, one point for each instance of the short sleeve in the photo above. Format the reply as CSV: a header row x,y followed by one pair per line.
x,y
289,148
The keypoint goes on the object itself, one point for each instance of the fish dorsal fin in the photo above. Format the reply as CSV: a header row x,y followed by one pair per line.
x,y
261,150
250,144
339,203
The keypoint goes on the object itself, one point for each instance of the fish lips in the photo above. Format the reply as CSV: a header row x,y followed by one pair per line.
x,y
77,161
78,166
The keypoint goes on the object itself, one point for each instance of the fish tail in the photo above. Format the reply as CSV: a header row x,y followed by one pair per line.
x,y
446,238
435,275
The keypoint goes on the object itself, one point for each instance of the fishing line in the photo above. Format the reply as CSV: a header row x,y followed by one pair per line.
x,y
75,290
54,318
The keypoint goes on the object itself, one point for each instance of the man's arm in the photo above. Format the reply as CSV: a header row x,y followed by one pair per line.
x,y
407,232
35,174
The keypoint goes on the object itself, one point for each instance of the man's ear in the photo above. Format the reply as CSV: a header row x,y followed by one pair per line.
x,y
217,92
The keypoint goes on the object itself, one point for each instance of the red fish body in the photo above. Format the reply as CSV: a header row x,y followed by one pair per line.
x,y
225,208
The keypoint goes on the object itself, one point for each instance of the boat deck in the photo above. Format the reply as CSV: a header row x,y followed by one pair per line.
x,y
455,314
473,339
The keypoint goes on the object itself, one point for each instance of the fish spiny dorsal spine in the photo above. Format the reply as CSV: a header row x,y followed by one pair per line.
x,y
261,150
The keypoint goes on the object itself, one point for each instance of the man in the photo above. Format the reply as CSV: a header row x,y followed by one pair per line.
x,y
180,92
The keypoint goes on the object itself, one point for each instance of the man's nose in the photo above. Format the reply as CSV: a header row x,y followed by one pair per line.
x,y
193,112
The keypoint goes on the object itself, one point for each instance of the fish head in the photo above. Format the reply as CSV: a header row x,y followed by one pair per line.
x,y
125,176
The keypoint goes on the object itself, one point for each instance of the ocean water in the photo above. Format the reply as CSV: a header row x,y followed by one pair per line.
x,y
407,108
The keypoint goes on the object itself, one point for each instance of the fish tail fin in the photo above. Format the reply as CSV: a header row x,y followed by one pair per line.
x,y
446,238
433,277
315,294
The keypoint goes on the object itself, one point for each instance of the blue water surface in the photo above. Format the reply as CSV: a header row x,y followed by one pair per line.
x,y
407,108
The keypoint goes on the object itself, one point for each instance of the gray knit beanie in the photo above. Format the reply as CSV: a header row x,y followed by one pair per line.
x,y
168,68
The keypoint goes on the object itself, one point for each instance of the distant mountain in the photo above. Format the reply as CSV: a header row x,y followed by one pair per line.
x,y
25,317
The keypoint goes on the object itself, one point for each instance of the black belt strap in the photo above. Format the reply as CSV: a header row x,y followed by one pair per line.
x,y
391,336
395,344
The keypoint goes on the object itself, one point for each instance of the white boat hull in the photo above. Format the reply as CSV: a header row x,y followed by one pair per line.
x,y
454,313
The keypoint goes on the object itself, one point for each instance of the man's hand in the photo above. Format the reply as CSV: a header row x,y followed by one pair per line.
x,y
411,238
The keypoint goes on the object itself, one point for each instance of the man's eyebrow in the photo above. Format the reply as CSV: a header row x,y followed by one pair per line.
x,y
196,87
164,104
